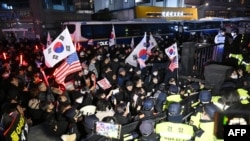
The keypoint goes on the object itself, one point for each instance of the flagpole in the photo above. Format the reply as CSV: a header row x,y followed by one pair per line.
x,y
177,73
44,76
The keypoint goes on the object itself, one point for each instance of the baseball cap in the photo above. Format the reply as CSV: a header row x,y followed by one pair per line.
x,y
148,104
195,86
210,109
162,97
174,109
147,127
173,89
205,96
174,113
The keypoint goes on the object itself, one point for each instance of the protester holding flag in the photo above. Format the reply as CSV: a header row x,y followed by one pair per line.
x,y
109,74
139,54
112,38
59,49
132,44
69,66
152,44
62,58
172,53
49,40
91,42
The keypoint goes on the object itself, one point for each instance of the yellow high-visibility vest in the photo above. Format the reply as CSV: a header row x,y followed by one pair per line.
x,y
170,99
243,95
170,131
195,119
208,134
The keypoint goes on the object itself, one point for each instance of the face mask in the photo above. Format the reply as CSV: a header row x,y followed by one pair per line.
x,y
82,54
138,72
79,100
86,72
155,73
233,34
155,80
234,76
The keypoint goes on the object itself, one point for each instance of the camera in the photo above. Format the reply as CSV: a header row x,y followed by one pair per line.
x,y
222,119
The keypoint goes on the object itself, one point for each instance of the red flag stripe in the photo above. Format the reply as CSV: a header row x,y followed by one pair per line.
x,y
65,70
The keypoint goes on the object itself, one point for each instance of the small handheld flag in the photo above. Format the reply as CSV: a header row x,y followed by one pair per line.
x,y
112,38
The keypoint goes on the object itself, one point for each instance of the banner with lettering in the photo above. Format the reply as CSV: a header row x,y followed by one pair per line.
x,y
18,129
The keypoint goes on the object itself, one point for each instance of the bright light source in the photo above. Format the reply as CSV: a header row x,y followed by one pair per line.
x,y
204,5
136,1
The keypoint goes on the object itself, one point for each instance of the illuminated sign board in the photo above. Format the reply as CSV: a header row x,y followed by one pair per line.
x,y
103,43
170,13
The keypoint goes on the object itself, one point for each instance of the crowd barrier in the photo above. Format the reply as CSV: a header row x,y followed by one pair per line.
x,y
195,56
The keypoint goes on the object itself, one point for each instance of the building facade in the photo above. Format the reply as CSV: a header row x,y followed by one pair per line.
x,y
126,10
44,15
221,8
47,15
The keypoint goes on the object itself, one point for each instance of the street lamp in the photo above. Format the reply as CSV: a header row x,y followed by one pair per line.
x,y
201,9
203,5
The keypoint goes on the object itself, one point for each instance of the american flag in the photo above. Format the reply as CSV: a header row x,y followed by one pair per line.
x,y
104,83
70,65
91,42
174,64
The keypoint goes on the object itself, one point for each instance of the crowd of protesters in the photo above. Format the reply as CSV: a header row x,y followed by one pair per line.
x,y
51,110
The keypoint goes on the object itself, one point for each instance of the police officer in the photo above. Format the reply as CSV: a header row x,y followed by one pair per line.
x,y
244,96
147,131
234,47
174,128
173,96
160,98
147,109
206,129
205,97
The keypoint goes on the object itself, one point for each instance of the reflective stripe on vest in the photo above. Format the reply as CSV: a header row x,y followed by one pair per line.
x,y
243,95
174,131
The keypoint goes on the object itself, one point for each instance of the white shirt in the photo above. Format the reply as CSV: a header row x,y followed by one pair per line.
x,y
219,39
